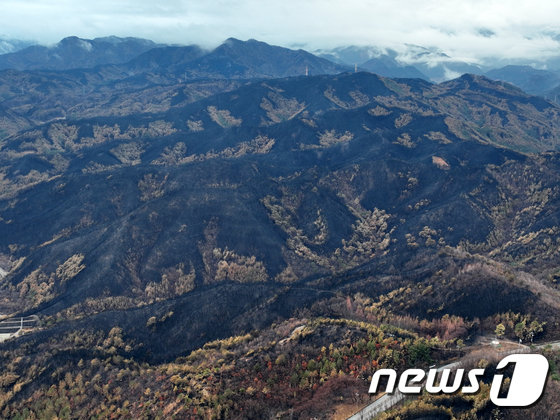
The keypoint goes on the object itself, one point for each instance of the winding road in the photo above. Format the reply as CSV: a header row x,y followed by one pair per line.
x,y
12,327
386,401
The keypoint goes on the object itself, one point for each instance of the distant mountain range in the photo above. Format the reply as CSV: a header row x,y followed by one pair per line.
x,y
415,61
372,59
436,66
232,59
531,80
74,52
236,59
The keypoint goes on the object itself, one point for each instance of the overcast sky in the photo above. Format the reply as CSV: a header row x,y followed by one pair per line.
x,y
469,30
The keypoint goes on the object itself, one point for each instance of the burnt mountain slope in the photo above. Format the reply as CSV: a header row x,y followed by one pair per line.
x,y
305,221
277,182
36,98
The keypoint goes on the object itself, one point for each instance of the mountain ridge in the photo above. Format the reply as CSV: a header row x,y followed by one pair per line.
x,y
74,53
353,113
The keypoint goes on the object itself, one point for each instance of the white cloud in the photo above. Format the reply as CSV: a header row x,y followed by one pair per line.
x,y
470,30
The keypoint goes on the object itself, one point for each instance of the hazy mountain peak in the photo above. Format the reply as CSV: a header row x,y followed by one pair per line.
x,y
8,45
74,41
420,53
530,79
353,54
73,52
236,41
68,40
117,40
